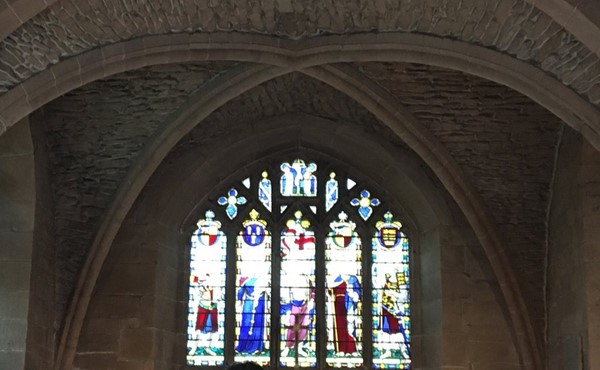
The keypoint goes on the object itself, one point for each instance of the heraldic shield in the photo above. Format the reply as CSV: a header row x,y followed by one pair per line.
x,y
388,231
209,231
342,231
254,230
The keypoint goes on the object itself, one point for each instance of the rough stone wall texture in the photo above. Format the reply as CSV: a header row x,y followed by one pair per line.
x,y
292,93
473,317
515,27
470,295
504,143
123,315
94,134
17,209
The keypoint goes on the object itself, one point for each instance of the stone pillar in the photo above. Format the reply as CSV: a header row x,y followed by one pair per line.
x,y
476,326
17,208
119,331
589,182
573,292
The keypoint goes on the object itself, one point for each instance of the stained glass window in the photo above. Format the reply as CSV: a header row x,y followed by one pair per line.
x,y
298,339
207,293
253,288
298,179
344,294
331,192
264,298
391,309
265,192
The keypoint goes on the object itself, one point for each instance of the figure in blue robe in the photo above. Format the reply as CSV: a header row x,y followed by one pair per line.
x,y
252,328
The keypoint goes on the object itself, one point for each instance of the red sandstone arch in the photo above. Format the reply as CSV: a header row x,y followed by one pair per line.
x,y
383,106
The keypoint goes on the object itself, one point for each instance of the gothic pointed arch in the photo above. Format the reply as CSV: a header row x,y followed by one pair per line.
x,y
320,271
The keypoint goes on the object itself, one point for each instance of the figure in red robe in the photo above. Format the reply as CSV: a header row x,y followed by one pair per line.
x,y
345,297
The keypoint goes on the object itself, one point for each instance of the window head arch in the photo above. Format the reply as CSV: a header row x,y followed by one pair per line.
x,y
299,265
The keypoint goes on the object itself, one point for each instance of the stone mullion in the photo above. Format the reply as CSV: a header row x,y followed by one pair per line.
x,y
230,314
320,291
367,298
275,341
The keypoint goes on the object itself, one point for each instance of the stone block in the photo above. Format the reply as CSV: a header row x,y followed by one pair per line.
x,y
14,333
432,319
127,279
16,215
454,315
14,276
432,345
16,141
137,365
491,352
98,342
109,306
453,257
593,353
165,314
95,361
15,246
454,350
12,359
137,251
455,285
13,303
170,351
17,179
167,281
137,344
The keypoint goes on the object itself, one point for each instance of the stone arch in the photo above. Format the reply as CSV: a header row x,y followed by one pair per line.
x,y
297,55
575,18
406,127
425,205
384,109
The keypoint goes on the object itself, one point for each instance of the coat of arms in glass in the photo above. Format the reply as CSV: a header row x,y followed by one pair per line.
x,y
363,304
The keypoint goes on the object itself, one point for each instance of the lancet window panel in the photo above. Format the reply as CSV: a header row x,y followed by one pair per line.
x,y
299,266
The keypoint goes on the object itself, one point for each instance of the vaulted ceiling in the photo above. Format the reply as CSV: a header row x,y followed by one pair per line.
x,y
486,89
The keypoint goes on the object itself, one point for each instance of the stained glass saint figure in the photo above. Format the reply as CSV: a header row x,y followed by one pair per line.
x,y
298,344
207,293
391,323
343,291
331,192
253,290
265,191
344,294
298,179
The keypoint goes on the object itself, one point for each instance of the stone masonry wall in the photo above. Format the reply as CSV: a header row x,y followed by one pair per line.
x,y
573,274
17,209
504,143
144,326
93,135
68,28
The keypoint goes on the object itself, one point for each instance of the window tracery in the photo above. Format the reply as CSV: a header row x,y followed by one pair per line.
x,y
332,289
